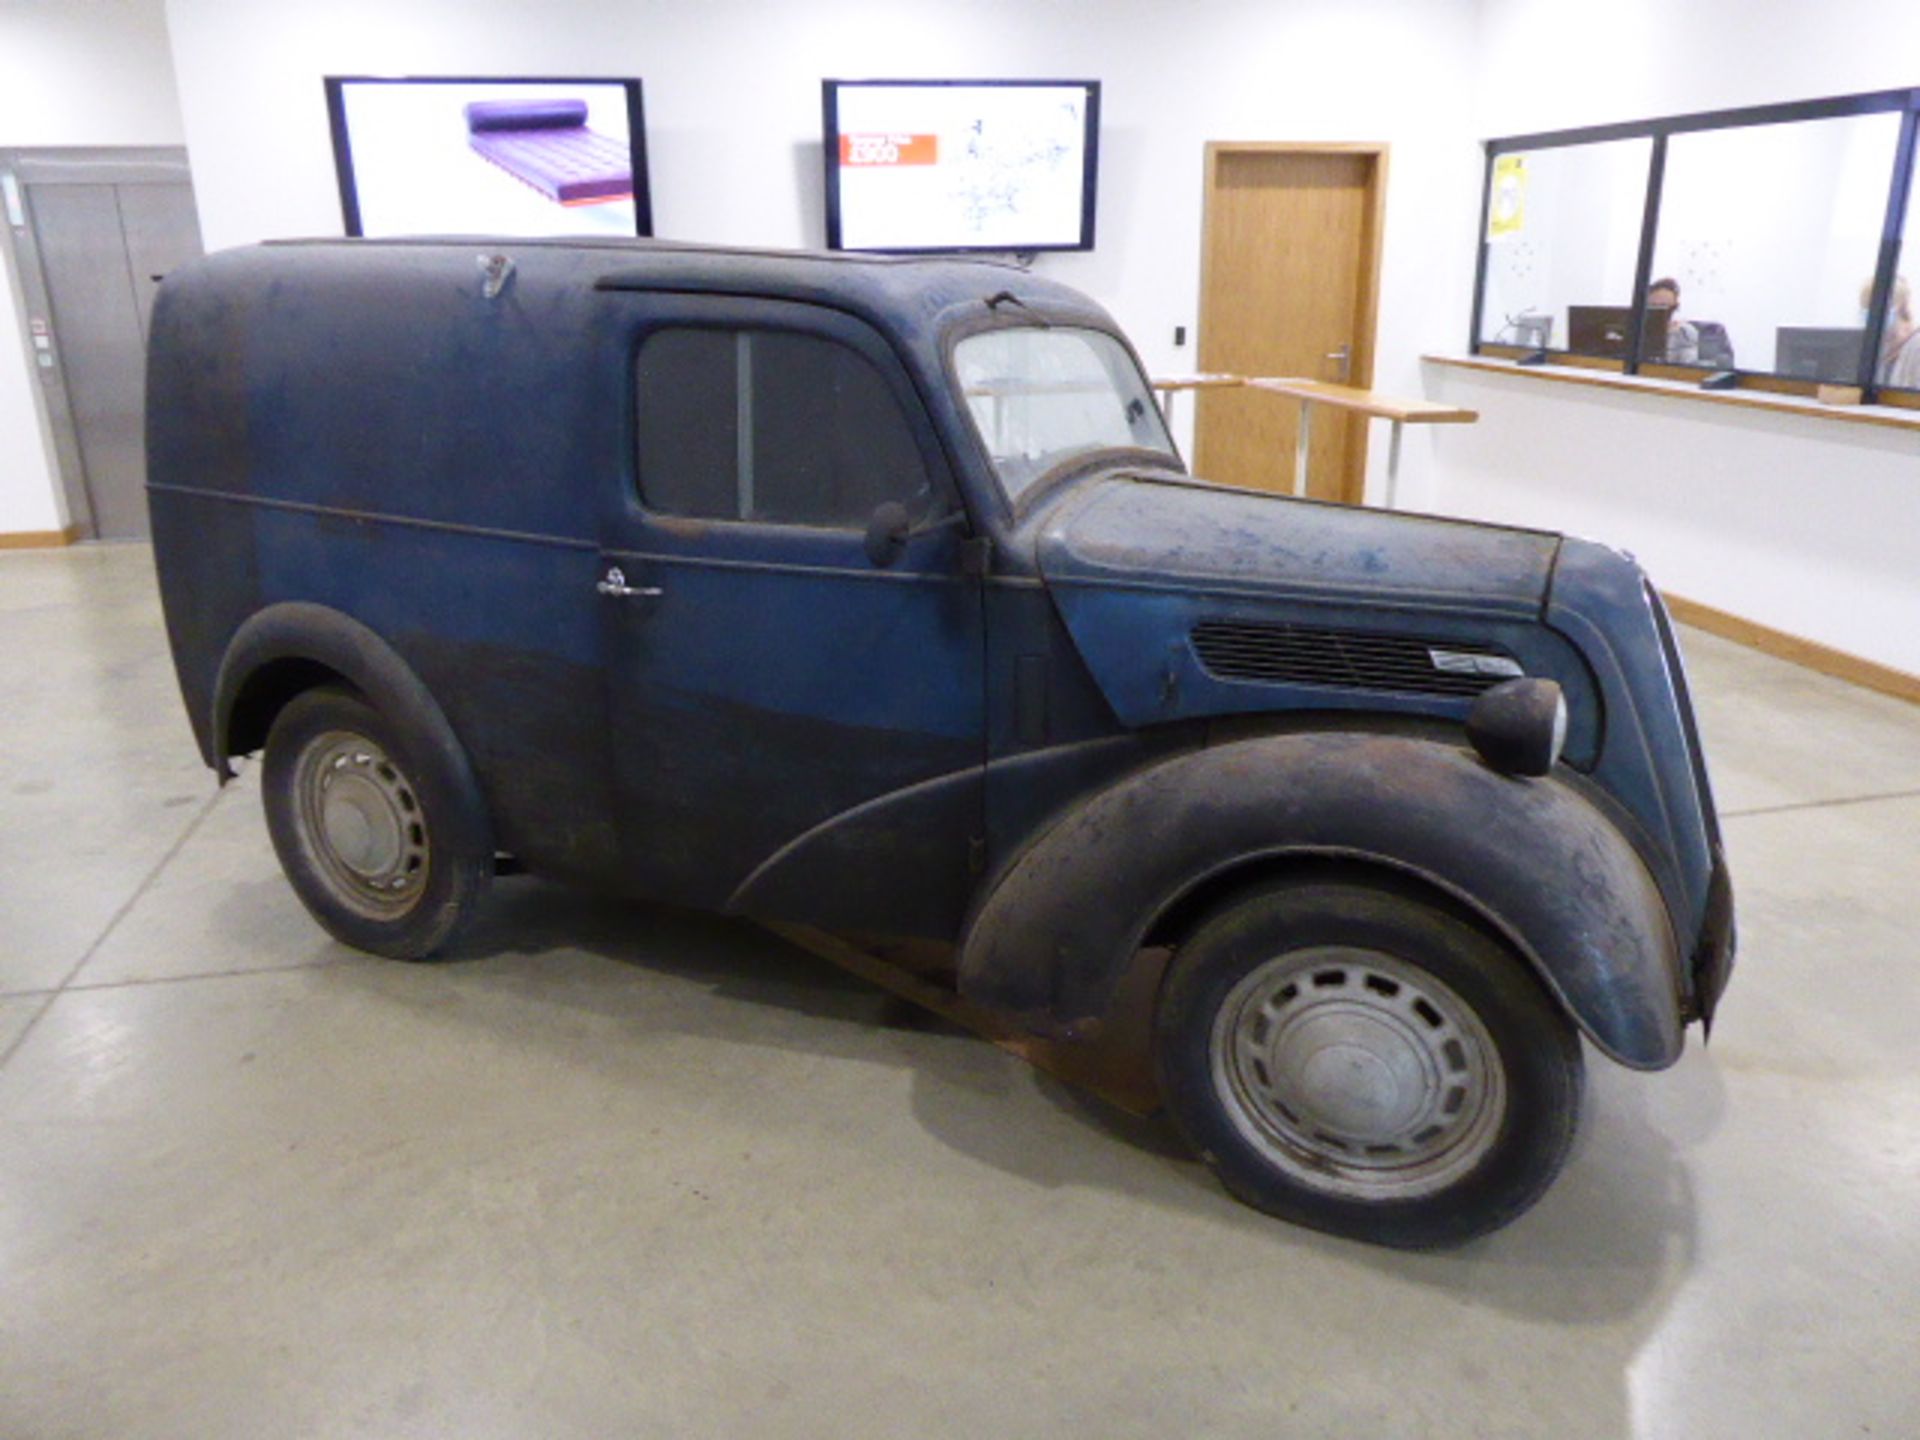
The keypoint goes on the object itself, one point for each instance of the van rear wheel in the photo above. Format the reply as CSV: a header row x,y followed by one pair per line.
x,y
369,829
1356,1060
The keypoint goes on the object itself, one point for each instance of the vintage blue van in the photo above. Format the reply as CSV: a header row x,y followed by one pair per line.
x,y
872,594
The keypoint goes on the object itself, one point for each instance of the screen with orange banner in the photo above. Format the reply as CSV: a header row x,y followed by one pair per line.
x,y
938,165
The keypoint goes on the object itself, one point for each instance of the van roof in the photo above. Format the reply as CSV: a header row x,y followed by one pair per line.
x,y
637,245
898,290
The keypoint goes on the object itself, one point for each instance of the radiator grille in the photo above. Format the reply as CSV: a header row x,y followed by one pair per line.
x,y
1345,660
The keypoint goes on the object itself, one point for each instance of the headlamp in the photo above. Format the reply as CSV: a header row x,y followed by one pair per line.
x,y
1519,726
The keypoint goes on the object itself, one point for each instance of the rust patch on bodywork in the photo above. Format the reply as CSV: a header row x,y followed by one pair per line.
x,y
1113,1060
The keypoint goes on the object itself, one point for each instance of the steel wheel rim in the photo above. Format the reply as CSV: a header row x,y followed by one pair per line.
x,y
1358,1074
363,824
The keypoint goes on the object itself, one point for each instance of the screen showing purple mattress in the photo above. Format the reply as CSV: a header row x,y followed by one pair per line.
x,y
546,144
440,156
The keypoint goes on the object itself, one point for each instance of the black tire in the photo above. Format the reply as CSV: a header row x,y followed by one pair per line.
x,y
376,830
1416,1086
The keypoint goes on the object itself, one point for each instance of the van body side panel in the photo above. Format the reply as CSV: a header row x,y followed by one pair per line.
x,y
367,432
197,465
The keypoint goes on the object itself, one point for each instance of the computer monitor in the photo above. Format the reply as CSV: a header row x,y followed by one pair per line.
x,y
1532,330
1606,329
1818,352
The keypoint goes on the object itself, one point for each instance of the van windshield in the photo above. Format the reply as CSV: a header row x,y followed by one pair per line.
x,y
1043,398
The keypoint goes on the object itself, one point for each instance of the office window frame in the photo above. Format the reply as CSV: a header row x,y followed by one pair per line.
x,y
1906,103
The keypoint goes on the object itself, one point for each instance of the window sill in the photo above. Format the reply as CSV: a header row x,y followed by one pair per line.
x,y
1891,416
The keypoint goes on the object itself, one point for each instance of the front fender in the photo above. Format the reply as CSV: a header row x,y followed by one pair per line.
x,y
1535,858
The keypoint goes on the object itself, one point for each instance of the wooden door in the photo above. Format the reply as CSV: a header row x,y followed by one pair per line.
x,y
1289,278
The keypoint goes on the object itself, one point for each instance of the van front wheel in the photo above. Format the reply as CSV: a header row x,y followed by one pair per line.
x,y
369,829
1356,1060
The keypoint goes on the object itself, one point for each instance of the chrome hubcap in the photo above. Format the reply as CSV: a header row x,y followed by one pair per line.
x,y
363,823
1357,1073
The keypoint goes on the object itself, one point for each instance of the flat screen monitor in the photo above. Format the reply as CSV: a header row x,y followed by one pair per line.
x,y
446,155
1607,329
959,165
1818,352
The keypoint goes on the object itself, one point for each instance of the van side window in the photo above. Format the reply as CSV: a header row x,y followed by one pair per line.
x,y
772,426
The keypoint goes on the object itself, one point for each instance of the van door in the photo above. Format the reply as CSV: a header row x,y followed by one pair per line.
x,y
797,730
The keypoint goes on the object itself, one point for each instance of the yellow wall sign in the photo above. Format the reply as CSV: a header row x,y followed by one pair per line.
x,y
1507,206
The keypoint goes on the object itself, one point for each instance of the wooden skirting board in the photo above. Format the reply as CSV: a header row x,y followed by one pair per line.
x,y
38,539
1810,653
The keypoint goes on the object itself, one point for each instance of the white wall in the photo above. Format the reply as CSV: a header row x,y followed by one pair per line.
x,y
1551,65
86,72
1802,524
732,92
72,72
1806,525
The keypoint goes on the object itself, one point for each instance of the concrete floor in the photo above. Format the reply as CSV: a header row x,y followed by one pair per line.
x,y
625,1172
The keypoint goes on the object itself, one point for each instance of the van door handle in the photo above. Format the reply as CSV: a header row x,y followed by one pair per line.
x,y
615,583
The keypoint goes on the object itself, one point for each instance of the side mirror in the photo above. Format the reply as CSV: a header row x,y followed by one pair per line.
x,y
887,532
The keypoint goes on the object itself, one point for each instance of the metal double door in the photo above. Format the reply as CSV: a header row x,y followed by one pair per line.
x,y
103,234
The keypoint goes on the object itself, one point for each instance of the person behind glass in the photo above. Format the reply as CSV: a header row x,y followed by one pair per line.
x,y
1683,340
1900,344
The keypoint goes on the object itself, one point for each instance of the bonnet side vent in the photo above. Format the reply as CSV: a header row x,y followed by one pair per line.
x,y
1347,660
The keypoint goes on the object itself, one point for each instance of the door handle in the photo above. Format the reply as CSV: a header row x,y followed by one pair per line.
x,y
615,583
1345,356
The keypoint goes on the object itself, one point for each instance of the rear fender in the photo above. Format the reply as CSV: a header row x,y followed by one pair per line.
x,y
1538,862
319,640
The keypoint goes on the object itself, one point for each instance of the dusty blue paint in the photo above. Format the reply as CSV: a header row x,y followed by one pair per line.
x,y
354,425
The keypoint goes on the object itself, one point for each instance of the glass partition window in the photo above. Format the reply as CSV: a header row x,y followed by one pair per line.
x,y
1899,367
1769,235
1750,241
1563,241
